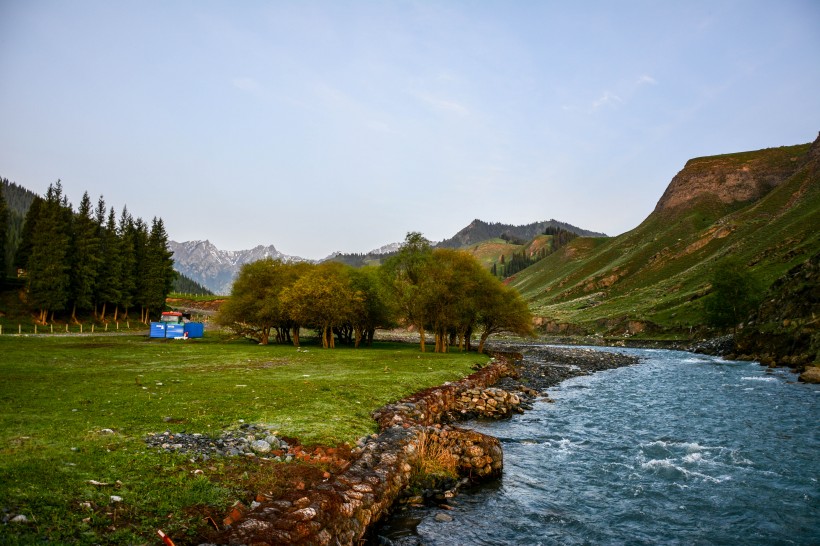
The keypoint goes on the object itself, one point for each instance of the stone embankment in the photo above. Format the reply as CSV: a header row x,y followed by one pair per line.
x,y
340,510
543,367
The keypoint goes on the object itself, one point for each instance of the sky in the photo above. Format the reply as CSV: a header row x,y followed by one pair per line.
x,y
322,126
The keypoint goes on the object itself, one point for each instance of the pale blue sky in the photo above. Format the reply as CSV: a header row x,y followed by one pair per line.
x,y
322,126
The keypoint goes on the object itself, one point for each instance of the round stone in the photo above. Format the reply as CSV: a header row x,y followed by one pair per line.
x,y
260,446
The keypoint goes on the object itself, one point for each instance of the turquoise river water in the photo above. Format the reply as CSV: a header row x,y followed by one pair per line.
x,y
679,449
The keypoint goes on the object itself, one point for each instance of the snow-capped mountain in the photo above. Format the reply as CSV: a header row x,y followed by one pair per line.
x,y
216,269
386,249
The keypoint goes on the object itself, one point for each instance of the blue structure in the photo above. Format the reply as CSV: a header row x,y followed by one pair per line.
x,y
172,326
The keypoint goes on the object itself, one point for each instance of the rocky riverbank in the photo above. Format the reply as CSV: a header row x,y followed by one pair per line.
x,y
534,369
374,479
340,509
540,367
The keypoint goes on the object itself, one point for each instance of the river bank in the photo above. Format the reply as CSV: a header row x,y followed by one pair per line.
x,y
344,506
534,370
672,451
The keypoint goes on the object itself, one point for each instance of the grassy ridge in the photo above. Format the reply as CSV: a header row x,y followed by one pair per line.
x,y
658,272
59,393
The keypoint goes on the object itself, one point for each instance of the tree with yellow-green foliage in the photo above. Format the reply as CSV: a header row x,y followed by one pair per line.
x,y
324,298
449,293
255,307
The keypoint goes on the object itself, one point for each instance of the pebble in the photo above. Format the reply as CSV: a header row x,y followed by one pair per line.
x,y
442,517
20,518
248,440
260,446
545,367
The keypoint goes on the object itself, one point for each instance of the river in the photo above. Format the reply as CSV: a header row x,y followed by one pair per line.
x,y
679,449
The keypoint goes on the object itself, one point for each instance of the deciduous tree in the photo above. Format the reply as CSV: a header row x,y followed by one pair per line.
x,y
735,292
404,279
324,298
501,310
255,307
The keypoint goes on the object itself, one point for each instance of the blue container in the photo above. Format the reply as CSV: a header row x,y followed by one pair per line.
x,y
157,329
195,329
174,330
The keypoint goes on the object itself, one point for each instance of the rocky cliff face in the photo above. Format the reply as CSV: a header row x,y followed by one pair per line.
x,y
215,269
785,329
734,178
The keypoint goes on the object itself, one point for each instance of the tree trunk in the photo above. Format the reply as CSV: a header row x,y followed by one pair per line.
x,y
265,336
74,314
358,339
116,312
102,315
481,342
295,336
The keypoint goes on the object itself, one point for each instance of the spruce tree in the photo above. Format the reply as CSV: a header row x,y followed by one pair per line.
x,y
27,234
4,224
139,242
158,270
128,265
109,278
85,258
48,264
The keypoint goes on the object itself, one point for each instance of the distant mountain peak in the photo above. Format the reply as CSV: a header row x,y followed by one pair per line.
x,y
216,269
479,230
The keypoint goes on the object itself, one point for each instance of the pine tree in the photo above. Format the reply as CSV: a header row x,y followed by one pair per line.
x,y
27,234
48,264
109,278
85,258
4,221
139,240
128,264
157,271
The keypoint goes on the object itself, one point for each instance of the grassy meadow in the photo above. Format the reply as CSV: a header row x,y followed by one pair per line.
x,y
59,393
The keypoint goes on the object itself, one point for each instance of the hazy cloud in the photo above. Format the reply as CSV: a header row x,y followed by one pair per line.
x,y
606,99
646,79
442,104
247,84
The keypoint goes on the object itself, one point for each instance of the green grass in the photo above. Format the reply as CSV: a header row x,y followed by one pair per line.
x,y
659,272
59,392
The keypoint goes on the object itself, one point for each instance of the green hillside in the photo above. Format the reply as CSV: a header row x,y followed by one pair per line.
x,y
762,208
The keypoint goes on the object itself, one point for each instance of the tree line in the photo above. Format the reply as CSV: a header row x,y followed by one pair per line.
x,y
14,202
186,285
442,291
507,267
89,260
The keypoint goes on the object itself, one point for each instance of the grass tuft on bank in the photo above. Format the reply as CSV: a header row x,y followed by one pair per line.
x,y
61,396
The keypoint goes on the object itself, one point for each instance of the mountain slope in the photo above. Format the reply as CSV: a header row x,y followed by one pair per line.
x,y
762,207
215,269
479,231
